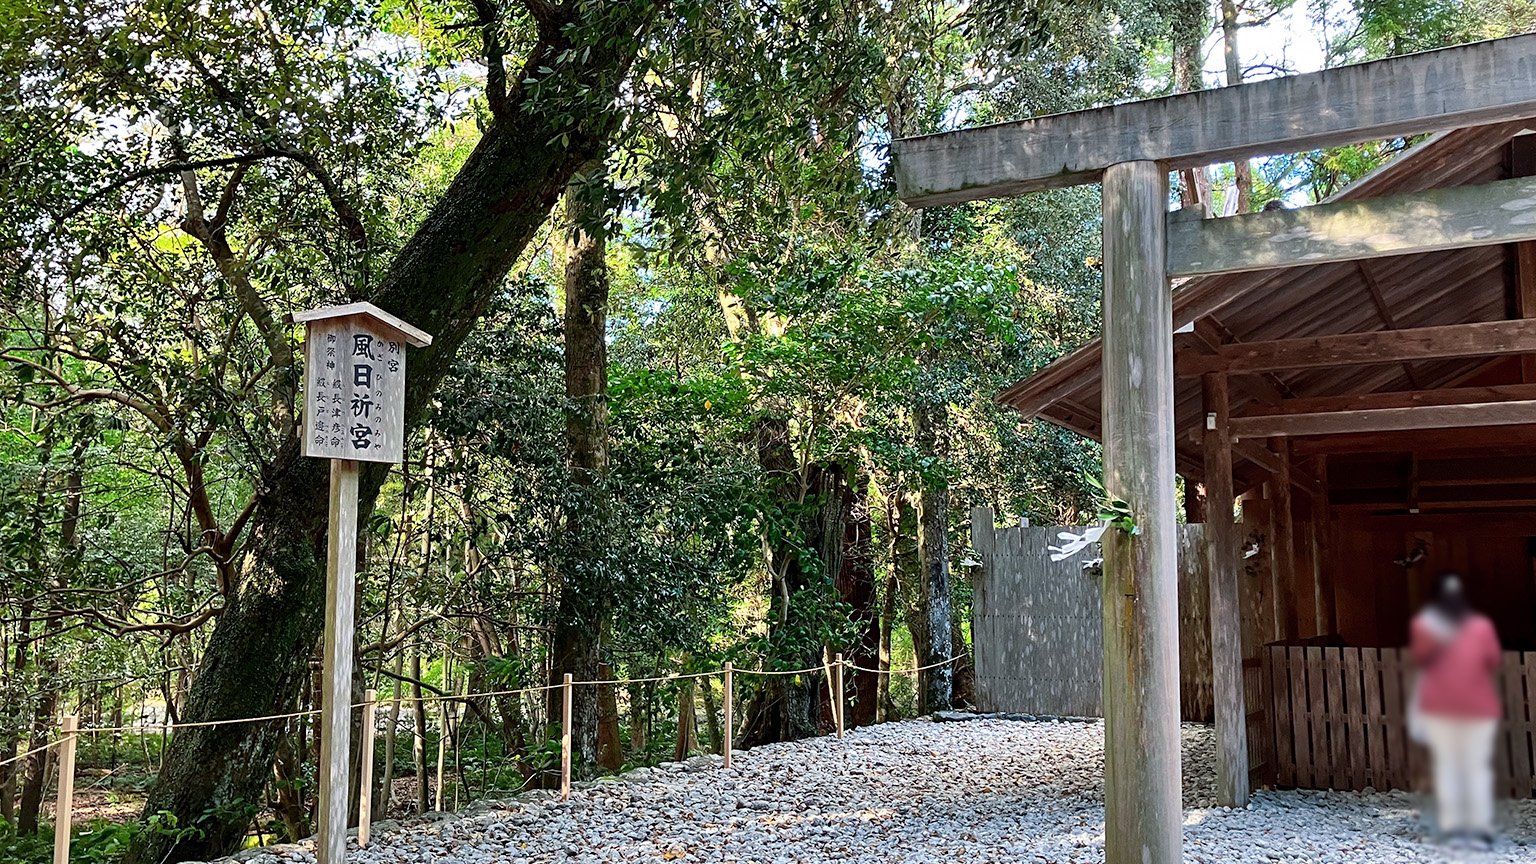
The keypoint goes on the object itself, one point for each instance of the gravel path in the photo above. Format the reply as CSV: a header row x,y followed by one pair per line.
x,y
977,791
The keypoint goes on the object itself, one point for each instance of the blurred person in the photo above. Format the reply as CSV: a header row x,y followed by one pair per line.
x,y
1456,708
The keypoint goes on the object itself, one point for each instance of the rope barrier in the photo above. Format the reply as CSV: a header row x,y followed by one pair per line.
x,y
446,697
906,671
54,743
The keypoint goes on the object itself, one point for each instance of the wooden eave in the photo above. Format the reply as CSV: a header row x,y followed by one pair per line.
x,y
1458,286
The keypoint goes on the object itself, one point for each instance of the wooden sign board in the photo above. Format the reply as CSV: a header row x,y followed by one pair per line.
x,y
354,383
354,411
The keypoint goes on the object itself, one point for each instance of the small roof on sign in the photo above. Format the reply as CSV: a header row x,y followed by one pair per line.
x,y
413,336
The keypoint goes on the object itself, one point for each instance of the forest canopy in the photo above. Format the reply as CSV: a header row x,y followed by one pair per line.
x,y
701,389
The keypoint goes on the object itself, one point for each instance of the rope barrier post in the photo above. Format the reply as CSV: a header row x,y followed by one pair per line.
x,y
729,720
63,814
442,754
565,739
365,771
336,670
837,684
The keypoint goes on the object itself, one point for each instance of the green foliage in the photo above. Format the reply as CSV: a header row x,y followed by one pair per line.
x,y
1114,512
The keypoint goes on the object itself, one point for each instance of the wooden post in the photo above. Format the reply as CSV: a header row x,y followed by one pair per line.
x,y
365,771
1322,530
336,670
442,755
64,812
1281,514
837,684
565,738
1226,607
1143,812
730,722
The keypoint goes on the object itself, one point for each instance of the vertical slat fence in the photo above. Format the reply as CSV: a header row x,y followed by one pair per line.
x,y
1340,722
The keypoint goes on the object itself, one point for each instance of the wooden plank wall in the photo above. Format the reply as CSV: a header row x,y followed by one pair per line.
x,y
1037,625
1341,720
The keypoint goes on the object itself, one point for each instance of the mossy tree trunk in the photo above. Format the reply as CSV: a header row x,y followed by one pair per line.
x,y
442,280
583,610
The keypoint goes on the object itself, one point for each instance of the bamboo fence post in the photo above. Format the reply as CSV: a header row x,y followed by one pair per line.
x,y
63,814
365,771
565,739
837,702
729,722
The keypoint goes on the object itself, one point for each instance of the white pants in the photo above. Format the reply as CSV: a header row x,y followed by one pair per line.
x,y
1463,758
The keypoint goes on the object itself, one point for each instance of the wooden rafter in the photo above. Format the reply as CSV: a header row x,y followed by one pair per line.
x,y
1372,288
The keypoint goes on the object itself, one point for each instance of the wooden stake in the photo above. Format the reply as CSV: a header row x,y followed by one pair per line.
x,y
837,702
64,812
365,771
336,669
1226,609
565,738
1143,812
730,724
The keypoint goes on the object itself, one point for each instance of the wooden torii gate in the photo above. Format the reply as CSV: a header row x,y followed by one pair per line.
x,y
1131,148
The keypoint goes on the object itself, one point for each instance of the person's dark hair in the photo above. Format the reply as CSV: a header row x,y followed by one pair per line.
x,y
1450,594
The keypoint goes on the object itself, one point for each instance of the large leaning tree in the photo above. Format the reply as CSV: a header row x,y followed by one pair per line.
x,y
196,113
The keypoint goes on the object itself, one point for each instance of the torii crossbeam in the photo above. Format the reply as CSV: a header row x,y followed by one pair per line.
x,y
1131,148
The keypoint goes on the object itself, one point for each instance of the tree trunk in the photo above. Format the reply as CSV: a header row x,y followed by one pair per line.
x,y
43,722
610,746
637,720
14,706
391,734
581,617
687,727
936,684
711,722
781,709
1242,169
419,735
1190,26
885,709
442,281
856,587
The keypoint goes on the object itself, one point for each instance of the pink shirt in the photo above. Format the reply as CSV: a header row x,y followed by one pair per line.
x,y
1456,677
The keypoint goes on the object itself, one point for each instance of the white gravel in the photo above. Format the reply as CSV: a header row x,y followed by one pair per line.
x,y
977,791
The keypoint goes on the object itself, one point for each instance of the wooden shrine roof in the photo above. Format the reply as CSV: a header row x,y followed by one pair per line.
x,y
1408,291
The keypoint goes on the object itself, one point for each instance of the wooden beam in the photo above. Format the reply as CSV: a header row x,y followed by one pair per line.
x,y
1380,346
1387,419
1503,211
1469,85
1404,399
1226,609
1443,442
1143,813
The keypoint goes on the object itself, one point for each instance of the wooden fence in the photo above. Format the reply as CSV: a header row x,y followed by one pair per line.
x,y
1038,628
1340,720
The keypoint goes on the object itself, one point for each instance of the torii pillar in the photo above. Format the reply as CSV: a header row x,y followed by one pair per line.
x,y
1143,813
1131,147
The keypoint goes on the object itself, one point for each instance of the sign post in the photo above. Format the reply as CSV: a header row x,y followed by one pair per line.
x,y
354,411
